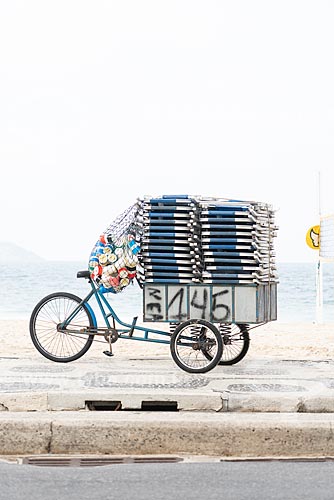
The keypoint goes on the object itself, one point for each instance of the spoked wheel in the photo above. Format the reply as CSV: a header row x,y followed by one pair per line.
x,y
53,341
235,343
190,343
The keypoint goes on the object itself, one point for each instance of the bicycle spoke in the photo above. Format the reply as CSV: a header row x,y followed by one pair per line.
x,y
190,343
61,343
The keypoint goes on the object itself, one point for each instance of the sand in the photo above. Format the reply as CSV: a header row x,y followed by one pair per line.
x,y
304,341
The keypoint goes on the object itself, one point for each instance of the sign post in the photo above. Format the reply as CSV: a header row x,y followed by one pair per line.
x,y
313,241
321,238
320,301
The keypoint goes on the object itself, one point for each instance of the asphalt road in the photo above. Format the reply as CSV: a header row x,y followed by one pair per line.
x,y
227,480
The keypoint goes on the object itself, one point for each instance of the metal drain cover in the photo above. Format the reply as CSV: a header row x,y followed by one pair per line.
x,y
53,461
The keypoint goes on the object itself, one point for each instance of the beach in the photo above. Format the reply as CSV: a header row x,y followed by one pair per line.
x,y
303,341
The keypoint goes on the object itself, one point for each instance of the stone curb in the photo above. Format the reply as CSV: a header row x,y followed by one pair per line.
x,y
185,401
130,400
126,433
281,403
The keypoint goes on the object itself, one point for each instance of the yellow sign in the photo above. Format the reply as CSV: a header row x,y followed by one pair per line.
x,y
313,237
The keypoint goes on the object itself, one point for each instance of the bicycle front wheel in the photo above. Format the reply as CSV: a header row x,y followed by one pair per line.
x,y
56,343
190,343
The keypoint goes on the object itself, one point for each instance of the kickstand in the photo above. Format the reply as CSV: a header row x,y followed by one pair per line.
x,y
109,353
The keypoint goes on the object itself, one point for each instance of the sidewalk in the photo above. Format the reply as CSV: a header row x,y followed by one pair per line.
x,y
253,385
266,405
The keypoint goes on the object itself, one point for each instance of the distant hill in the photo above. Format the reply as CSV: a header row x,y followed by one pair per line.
x,y
9,252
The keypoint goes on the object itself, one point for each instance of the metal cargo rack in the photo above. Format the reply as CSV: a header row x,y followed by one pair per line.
x,y
218,303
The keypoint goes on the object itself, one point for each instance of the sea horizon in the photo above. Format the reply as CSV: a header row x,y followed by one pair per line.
x,y
24,284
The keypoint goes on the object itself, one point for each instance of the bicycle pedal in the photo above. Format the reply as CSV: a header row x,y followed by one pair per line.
x,y
108,353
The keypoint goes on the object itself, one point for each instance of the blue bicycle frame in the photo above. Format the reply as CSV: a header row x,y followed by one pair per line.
x,y
108,312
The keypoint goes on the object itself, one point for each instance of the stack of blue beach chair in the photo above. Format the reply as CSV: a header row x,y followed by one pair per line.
x,y
169,228
205,240
237,242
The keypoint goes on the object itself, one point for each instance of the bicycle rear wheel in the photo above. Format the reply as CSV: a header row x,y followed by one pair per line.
x,y
236,343
190,343
55,343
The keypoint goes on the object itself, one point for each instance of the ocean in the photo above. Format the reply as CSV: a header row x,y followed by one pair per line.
x,y
23,285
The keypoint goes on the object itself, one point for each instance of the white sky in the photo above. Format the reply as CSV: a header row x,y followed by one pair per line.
x,y
105,101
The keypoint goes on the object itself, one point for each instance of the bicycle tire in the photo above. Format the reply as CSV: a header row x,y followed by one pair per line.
x,y
49,341
194,337
236,343
232,355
